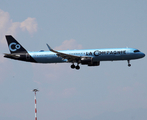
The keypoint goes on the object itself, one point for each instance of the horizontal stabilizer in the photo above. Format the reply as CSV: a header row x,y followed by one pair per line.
x,y
11,55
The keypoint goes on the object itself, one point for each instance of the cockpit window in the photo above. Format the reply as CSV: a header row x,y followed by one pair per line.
x,y
136,51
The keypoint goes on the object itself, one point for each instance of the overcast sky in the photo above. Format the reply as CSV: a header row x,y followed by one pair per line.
x,y
111,91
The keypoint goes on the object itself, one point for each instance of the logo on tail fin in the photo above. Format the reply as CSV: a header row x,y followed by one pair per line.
x,y
14,46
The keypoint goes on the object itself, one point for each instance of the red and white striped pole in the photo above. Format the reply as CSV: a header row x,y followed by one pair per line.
x,y
35,90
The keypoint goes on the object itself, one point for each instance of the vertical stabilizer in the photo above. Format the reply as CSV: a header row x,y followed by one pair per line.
x,y
14,46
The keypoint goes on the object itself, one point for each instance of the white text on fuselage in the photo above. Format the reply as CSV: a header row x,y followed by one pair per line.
x,y
98,53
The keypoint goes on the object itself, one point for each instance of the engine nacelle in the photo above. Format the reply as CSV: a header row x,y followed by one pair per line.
x,y
94,63
86,61
89,61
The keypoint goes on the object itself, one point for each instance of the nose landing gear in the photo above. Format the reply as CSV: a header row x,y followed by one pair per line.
x,y
129,63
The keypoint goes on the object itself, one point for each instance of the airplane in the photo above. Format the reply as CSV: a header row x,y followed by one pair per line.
x,y
90,57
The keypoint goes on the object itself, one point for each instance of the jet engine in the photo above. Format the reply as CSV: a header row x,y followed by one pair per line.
x,y
86,61
89,61
94,64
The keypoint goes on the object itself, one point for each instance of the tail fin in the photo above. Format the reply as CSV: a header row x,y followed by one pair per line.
x,y
14,46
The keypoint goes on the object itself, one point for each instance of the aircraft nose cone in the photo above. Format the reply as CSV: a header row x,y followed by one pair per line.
x,y
143,55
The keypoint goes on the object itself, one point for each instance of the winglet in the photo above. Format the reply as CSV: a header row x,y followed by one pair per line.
x,y
49,47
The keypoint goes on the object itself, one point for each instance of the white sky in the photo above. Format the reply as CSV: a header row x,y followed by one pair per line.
x,y
110,91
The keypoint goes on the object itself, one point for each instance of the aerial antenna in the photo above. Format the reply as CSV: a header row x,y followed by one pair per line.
x,y
35,90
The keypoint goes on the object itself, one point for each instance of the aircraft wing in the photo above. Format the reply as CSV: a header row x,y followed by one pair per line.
x,y
70,58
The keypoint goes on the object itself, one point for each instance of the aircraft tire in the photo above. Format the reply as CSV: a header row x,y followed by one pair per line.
x,y
77,67
129,65
72,66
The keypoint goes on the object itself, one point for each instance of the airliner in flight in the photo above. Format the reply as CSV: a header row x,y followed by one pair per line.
x,y
90,57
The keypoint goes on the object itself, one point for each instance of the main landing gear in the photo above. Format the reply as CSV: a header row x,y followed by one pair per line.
x,y
129,63
77,67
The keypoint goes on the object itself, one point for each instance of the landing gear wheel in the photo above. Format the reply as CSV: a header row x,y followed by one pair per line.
x,y
72,66
129,65
77,67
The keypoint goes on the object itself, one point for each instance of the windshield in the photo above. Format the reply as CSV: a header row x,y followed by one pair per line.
x,y
136,51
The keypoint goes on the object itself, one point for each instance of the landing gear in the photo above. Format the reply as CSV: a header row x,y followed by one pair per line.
x,y
77,67
129,63
73,66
